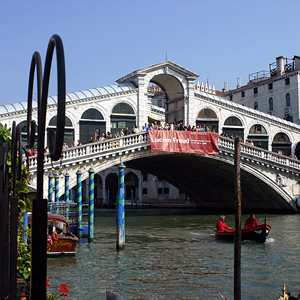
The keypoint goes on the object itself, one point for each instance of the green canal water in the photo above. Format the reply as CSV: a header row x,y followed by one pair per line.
x,y
177,257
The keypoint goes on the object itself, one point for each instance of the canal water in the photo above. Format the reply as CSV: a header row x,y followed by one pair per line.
x,y
177,257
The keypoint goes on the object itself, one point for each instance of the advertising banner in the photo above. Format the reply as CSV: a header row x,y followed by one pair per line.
x,y
184,141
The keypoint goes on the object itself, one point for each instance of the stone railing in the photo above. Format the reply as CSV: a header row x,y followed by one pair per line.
x,y
134,141
86,151
255,153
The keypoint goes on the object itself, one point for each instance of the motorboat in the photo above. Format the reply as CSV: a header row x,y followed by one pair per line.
x,y
60,239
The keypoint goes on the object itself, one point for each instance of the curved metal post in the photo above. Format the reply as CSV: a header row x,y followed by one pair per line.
x,y
39,205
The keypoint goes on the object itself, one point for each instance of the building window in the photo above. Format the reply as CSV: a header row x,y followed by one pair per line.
x,y
287,100
230,97
145,191
270,103
166,191
270,86
255,90
256,105
243,94
160,191
287,81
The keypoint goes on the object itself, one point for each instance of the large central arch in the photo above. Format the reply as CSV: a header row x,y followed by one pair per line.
x,y
174,96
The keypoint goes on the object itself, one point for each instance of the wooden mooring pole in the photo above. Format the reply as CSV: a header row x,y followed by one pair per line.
x,y
238,217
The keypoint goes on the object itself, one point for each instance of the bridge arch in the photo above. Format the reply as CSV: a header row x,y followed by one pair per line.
x,y
281,143
259,135
172,86
122,115
207,116
91,125
23,125
233,126
69,134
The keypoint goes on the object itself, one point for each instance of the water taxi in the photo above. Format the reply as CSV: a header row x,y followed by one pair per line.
x,y
60,239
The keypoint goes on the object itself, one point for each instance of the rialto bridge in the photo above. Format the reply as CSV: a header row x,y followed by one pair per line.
x,y
167,92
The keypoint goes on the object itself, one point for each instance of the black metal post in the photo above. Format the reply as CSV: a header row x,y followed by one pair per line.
x,y
39,205
4,228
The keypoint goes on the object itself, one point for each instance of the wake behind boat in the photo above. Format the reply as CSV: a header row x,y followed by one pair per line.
x,y
258,233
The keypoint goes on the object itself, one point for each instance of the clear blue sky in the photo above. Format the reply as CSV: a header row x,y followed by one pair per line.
x,y
105,40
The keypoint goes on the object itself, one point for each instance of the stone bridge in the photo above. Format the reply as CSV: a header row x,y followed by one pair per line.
x,y
270,181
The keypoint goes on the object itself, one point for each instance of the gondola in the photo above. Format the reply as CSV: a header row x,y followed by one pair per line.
x,y
258,234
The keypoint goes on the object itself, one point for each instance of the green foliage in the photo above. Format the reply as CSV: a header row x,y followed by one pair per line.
x,y
24,255
24,205
5,135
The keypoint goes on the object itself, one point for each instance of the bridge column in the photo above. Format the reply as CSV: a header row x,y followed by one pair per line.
x,y
189,103
142,107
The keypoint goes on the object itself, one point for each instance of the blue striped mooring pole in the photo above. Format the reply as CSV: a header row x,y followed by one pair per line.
x,y
120,213
67,194
79,203
91,203
56,177
50,191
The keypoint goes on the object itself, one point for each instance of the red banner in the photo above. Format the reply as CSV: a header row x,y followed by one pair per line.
x,y
184,141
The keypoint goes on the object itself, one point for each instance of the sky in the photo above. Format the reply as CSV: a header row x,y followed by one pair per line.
x,y
106,40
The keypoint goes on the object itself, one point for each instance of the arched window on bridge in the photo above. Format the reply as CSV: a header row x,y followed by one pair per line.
x,y
23,126
208,118
233,127
122,116
91,125
281,144
258,134
69,129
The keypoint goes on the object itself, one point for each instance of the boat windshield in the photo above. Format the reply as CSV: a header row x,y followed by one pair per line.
x,y
61,227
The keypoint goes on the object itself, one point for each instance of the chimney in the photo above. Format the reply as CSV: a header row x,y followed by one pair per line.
x,y
280,65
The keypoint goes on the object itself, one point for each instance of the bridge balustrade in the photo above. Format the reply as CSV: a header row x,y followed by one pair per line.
x,y
133,141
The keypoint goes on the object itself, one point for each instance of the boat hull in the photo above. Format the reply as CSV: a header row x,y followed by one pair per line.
x,y
62,246
60,239
258,234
